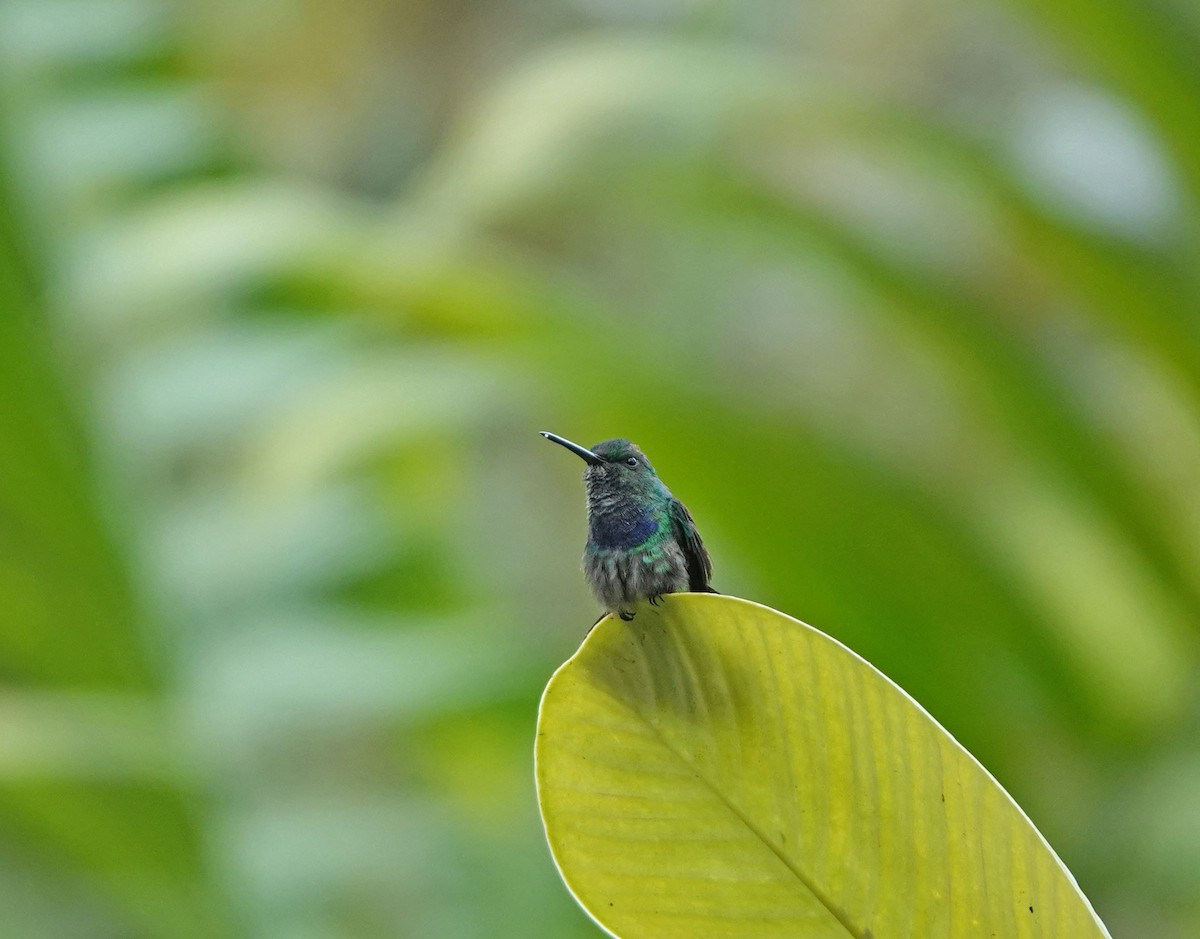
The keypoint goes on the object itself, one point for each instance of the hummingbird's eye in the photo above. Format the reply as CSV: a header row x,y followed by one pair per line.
x,y
632,461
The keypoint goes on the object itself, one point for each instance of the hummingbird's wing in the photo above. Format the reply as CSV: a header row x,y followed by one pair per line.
x,y
699,566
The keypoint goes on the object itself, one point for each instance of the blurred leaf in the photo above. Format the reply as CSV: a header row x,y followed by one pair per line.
x,y
1147,56
183,256
136,843
594,104
57,564
46,34
85,737
306,673
716,768
71,620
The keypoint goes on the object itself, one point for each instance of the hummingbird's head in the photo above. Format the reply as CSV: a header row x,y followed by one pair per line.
x,y
614,467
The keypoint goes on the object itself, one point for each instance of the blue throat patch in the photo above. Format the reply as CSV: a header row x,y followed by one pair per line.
x,y
623,534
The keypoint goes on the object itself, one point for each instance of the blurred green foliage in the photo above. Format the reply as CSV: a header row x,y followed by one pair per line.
x,y
903,300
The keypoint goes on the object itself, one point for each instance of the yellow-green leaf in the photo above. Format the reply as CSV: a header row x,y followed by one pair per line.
x,y
717,769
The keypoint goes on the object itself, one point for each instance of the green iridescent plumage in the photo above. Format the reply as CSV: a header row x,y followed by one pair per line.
x,y
642,542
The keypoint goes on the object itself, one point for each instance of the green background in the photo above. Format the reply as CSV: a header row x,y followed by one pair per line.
x,y
902,298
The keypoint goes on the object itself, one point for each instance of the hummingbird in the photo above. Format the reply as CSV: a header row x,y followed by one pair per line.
x,y
641,540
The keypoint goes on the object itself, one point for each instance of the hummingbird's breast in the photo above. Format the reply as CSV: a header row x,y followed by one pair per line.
x,y
621,517
632,556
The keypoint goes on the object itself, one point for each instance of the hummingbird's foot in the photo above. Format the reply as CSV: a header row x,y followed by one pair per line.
x,y
626,615
655,599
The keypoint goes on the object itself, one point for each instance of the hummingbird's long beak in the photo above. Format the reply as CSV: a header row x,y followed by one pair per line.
x,y
587,455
